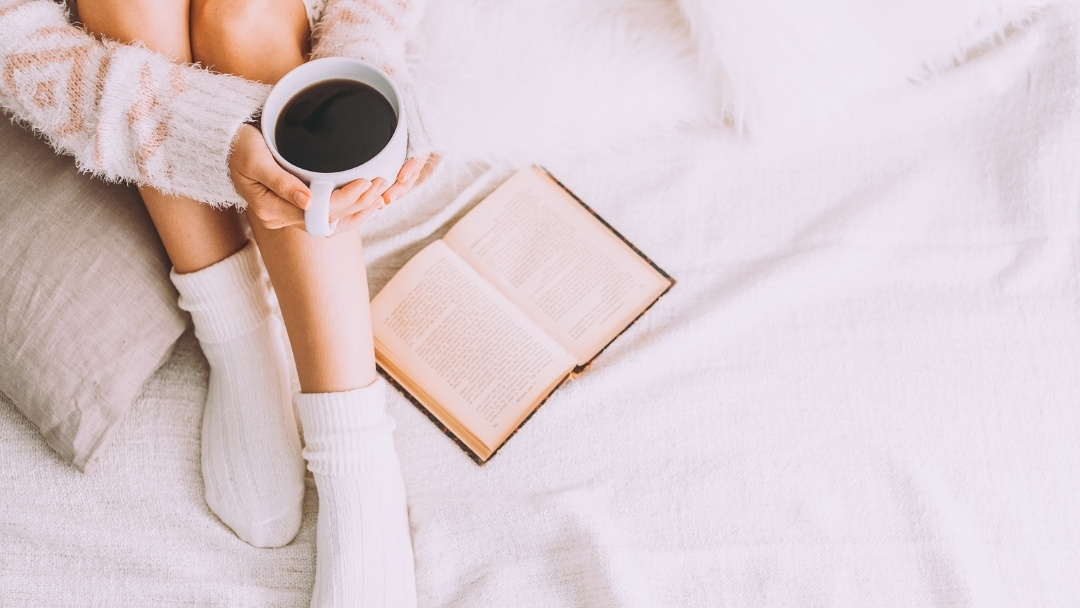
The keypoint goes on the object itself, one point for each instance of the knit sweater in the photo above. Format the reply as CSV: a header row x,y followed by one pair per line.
x,y
128,114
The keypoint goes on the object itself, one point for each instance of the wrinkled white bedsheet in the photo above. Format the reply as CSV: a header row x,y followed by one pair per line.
x,y
863,391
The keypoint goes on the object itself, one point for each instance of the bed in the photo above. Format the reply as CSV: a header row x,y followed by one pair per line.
x,y
863,390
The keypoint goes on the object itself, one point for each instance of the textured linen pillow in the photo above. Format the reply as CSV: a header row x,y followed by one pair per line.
x,y
87,312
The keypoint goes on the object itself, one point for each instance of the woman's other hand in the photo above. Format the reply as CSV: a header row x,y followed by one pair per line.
x,y
277,198
365,207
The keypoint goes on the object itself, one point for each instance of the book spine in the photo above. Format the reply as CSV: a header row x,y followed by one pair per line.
x,y
420,406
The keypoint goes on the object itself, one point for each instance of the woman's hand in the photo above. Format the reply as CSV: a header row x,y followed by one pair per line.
x,y
278,198
356,214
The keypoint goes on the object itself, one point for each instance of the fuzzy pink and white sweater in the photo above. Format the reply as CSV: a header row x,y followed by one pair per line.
x,y
128,114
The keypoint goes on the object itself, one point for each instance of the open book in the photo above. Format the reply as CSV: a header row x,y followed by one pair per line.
x,y
479,328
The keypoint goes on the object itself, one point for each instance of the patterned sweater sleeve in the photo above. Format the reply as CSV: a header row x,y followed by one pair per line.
x,y
377,31
123,112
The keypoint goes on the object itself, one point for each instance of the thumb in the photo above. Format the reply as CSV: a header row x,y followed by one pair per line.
x,y
281,182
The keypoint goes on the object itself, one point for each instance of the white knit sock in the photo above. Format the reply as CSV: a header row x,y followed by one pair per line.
x,y
251,462
364,552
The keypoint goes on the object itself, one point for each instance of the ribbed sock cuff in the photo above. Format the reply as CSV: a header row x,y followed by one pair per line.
x,y
227,299
347,432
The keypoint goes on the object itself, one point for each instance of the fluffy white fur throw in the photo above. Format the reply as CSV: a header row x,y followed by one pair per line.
x,y
781,63
517,81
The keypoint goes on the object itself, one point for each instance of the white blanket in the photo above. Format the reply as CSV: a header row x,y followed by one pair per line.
x,y
863,391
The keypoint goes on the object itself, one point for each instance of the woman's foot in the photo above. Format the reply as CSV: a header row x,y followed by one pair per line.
x,y
253,471
364,551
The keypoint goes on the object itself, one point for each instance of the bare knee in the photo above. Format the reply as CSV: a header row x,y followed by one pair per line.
x,y
162,26
257,39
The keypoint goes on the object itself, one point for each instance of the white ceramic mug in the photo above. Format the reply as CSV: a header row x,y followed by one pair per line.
x,y
386,164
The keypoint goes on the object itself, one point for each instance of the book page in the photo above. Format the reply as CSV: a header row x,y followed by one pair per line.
x,y
567,270
464,345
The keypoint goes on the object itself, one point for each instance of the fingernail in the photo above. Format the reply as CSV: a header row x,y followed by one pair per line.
x,y
301,199
387,200
411,173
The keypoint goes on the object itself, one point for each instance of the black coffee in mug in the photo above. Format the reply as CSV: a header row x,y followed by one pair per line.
x,y
334,125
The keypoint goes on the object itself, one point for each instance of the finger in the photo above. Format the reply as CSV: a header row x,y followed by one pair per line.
x,y
410,171
347,195
369,200
265,170
276,212
395,192
407,177
356,219
273,211
366,200
430,163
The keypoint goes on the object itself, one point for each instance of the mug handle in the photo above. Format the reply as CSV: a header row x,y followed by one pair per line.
x,y
317,216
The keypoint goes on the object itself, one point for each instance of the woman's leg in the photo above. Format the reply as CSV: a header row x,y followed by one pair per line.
x,y
195,235
322,287
364,552
321,282
256,39
251,462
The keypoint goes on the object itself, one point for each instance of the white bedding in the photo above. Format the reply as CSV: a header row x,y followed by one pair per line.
x,y
863,391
